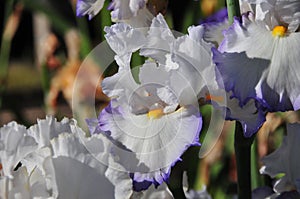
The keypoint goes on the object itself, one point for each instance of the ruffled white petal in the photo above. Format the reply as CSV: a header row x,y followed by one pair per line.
x,y
142,19
192,48
214,32
179,83
123,39
240,38
276,12
159,39
48,128
66,164
158,143
93,152
115,85
133,12
24,185
194,57
15,144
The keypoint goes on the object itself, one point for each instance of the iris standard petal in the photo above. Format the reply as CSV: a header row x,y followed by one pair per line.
x,y
133,12
124,39
159,40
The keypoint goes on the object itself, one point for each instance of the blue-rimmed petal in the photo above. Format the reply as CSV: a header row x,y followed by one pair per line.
x,y
157,143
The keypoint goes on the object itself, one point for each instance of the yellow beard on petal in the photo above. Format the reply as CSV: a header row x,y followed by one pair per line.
x,y
155,114
279,31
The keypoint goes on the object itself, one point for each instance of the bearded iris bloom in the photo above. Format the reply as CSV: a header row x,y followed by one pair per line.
x,y
249,115
259,57
156,118
55,158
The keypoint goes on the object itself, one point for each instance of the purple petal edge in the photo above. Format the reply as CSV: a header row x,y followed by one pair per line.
x,y
104,127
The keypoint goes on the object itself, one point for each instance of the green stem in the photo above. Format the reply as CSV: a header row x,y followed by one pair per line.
x,y
242,146
233,8
175,181
256,177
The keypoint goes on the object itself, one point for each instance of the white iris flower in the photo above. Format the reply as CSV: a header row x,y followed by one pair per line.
x,y
249,115
55,160
260,56
156,118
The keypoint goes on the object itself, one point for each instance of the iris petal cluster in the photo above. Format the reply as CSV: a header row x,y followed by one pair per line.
x,y
258,57
156,118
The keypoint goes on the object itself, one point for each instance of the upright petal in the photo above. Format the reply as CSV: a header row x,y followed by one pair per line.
x,y
124,39
159,40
